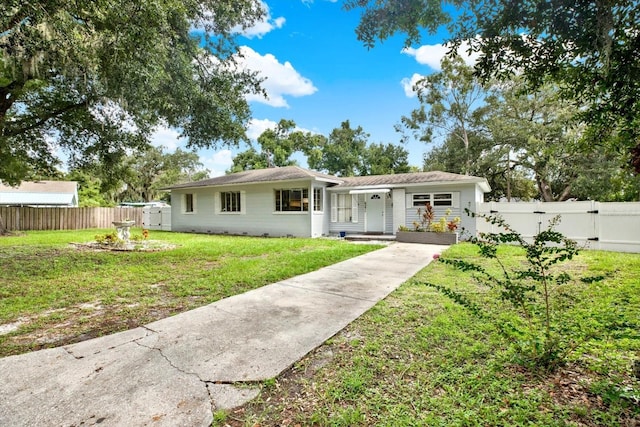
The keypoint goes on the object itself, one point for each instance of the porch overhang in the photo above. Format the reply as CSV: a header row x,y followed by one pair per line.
x,y
370,191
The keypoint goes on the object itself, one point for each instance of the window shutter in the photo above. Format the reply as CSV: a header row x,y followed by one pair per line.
x,y
455,199
216,202
334,207
243,202
354,208
409,199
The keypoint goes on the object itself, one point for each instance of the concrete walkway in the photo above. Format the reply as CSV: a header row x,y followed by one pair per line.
x,y
178,370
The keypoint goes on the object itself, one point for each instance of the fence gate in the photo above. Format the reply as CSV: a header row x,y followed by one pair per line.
x,y
157,218
594,225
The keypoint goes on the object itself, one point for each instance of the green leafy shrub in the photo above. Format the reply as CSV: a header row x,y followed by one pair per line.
x,y
428,223
533,292
109,239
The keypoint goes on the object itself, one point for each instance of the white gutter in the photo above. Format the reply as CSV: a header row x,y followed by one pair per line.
x,y
371,190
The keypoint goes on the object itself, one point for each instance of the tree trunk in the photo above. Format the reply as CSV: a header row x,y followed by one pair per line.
x,y
545,190
3,229
508,176
467,164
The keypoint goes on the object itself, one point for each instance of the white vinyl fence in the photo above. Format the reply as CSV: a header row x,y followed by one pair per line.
x,y
157,218
595,225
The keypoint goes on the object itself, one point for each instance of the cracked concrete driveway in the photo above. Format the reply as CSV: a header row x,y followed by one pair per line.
x,y
178,370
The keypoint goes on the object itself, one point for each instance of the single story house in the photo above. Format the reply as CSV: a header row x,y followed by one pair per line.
x,y
40,194
292,201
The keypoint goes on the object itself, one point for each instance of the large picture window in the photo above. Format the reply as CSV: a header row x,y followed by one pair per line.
x,y
230,201
292,200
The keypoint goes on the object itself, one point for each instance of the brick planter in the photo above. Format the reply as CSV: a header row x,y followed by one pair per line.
x,y
427,237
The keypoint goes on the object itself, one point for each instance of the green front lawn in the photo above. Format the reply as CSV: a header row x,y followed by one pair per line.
x,y
419,359
55,294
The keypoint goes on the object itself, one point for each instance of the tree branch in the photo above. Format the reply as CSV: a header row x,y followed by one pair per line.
x,y
7,98
43,120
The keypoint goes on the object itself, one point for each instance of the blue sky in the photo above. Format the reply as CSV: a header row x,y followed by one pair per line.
x,y
318,74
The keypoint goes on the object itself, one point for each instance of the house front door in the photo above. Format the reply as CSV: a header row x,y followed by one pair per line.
x,y
375,213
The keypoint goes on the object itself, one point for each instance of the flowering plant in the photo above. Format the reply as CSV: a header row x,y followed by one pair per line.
x,y
428,223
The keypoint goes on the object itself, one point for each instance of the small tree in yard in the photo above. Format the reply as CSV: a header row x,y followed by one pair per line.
x,y
533,291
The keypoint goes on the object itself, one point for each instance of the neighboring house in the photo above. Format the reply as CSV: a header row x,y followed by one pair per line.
x,y
292,201
40,194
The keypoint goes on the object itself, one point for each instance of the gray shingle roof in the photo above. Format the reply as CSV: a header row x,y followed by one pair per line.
x,y
41,187
406,178
291,173
41,193
287,173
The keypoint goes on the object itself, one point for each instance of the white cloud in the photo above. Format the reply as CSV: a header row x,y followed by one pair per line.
x,y
167,137
259,29
223,157
281,79
266,25
431,55
257,126
218,162
409,83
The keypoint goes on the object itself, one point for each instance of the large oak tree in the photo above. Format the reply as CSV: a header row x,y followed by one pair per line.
x,y
345,152
277,145
92,78
449,100
589,48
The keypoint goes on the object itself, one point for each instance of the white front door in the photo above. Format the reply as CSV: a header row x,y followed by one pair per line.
x,y
375,213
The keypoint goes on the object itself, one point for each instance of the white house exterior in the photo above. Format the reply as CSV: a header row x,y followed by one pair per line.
x,y
383,203
292,201
40,194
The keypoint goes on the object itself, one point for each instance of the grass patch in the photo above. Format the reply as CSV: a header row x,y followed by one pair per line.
x,y
53,294
419,359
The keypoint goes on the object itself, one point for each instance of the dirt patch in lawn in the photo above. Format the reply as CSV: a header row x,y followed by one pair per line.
x,y
54,328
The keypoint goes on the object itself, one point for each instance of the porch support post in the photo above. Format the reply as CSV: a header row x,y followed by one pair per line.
x,y
399,211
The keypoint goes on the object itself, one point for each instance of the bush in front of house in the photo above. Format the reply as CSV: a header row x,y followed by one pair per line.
x,y
523,300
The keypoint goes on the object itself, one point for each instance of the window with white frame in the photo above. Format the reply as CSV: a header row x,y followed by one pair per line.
x,y
435,199
318,199
230,201
344,208
442,199
189,205
419,200
292,200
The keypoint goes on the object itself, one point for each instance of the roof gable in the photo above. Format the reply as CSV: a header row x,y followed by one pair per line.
x,y
413,178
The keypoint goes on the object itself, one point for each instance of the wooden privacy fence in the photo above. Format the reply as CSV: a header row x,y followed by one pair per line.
x,y
25,218
596,225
